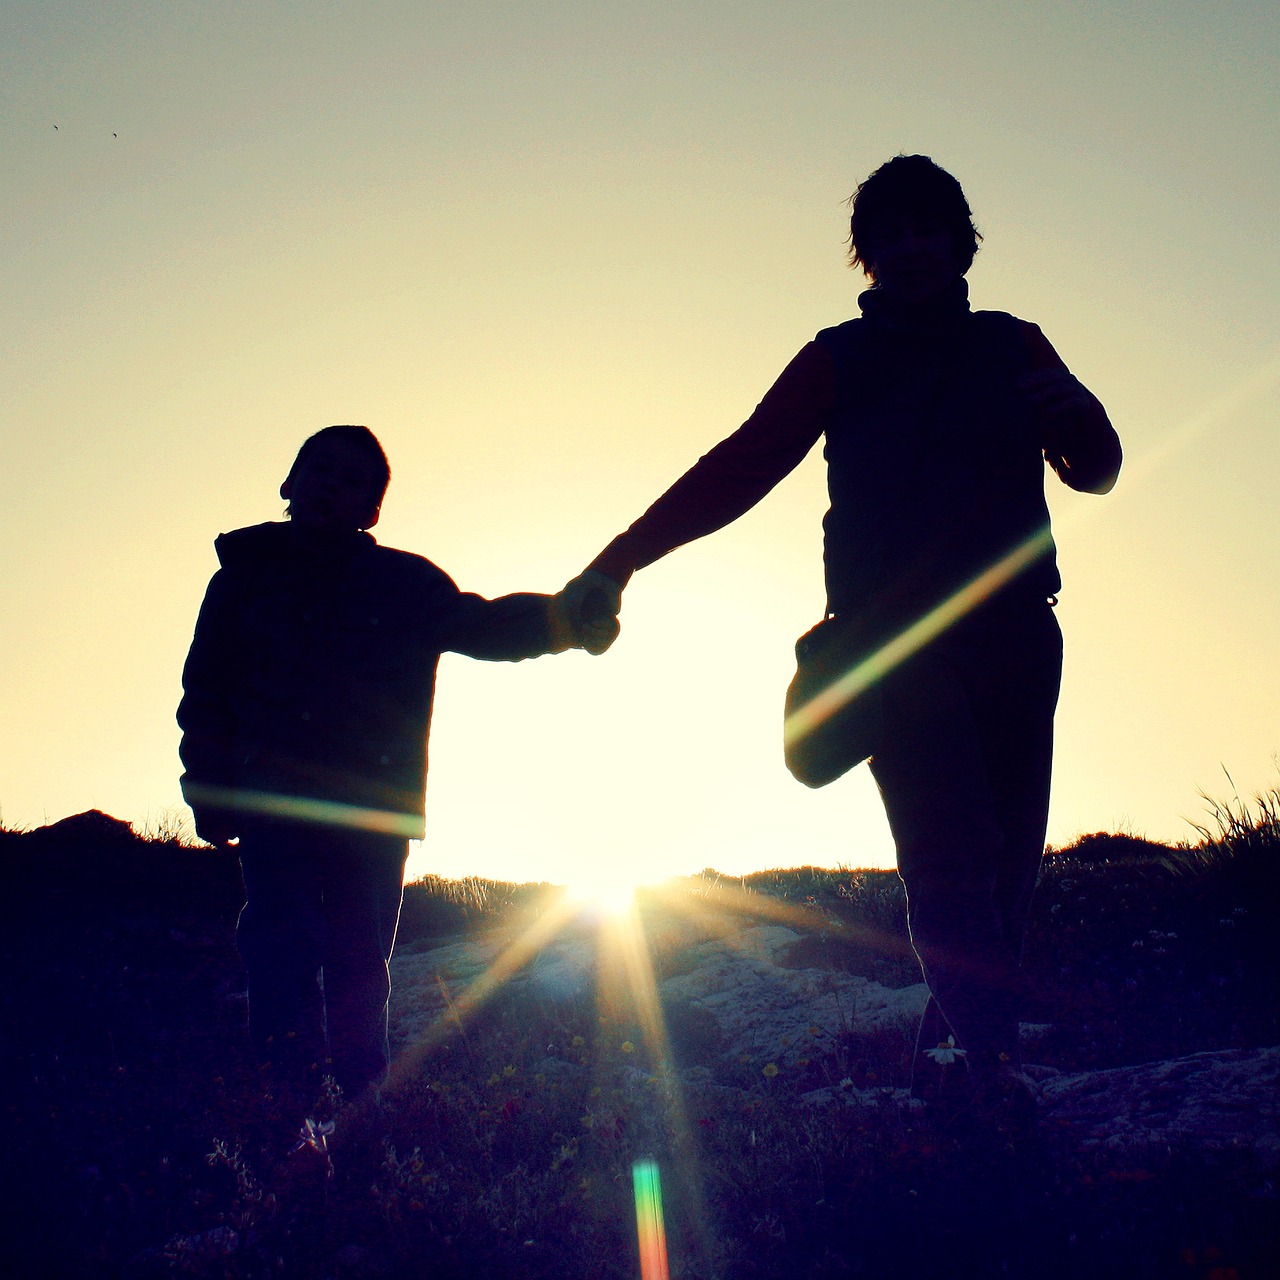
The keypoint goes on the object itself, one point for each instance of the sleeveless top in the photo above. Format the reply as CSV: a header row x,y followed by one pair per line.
x,y
934,467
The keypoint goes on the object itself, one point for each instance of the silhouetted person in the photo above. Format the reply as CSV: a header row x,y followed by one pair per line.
x,y
937,423
307,701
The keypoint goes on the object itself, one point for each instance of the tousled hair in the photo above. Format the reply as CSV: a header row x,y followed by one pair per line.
x,y
910,187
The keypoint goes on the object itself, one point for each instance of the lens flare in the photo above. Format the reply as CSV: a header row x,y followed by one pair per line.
x,y
914,637
650,1230
327,813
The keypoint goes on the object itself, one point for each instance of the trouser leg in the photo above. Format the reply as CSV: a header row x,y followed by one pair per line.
x,y
363,890
280,936
964,776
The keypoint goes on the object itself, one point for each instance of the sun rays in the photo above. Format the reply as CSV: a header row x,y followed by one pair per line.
x,y
630,943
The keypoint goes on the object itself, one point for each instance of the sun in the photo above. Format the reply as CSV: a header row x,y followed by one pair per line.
x,y
604,889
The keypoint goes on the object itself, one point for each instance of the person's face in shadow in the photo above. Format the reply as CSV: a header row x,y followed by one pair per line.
x,y
330,491
913,260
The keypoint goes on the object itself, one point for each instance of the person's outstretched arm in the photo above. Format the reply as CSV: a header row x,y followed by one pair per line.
x,y
514,627
1079,442
722,485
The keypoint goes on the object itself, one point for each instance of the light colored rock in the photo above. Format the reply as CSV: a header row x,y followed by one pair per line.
x,y
766,1010
1212,1100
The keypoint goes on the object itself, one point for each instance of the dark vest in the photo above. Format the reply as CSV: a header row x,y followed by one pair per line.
x,y
934,466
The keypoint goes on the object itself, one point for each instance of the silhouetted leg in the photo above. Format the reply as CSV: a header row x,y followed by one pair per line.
x,y
964,775
363,890
280,936
1013,668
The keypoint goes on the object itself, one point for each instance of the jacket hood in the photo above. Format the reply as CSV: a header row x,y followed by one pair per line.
x,y
259,543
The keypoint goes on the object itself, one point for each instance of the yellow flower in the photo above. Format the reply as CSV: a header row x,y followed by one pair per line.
x,y
770,1070
628,1047
578,1042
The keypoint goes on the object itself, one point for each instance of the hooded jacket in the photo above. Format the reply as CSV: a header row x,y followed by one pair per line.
x,y
308,688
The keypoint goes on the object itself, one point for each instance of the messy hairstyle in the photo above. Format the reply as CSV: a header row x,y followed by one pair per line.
x,y
909,187
364,439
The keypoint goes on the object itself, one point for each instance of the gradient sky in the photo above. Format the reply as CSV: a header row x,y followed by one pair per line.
x,y
550,254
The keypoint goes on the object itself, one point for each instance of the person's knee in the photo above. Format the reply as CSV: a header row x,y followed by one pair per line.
x,y
292,939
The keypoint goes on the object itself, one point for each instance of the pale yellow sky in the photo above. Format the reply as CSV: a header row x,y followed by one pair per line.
x,y
550,256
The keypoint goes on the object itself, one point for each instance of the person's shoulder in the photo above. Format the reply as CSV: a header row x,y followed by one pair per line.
x,y
840,344
251,545
840,335
999,320
410,568
1022,336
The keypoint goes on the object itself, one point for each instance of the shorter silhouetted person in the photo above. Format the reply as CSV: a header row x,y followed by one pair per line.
x,y
307,702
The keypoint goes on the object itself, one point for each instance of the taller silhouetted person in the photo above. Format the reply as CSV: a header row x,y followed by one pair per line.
x,y
937,423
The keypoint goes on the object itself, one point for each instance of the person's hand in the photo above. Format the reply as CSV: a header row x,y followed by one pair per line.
x,y
590,604
215,827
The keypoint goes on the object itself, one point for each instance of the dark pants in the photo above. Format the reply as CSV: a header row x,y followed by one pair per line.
x,y
964,773
320,900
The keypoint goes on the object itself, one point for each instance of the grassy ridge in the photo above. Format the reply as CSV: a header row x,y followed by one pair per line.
x,y
139,1140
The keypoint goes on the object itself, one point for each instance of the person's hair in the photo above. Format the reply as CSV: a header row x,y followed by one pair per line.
x,y
363,439
909,187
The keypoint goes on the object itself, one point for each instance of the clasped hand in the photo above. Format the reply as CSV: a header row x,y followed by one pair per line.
x,y
589,606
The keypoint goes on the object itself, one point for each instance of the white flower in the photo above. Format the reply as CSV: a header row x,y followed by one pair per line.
x,y
945,1054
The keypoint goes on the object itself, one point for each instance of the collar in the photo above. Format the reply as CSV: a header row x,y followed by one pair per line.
x,y
943,312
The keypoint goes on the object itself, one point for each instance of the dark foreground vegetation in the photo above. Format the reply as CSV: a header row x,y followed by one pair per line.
x,y
139,1140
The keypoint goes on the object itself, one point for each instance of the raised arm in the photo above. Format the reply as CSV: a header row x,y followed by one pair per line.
x,y
731,478
1078,439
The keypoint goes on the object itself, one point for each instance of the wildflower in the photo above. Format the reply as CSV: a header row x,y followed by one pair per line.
x,y
508,1071
578,1042
316,1136
945,1054
770,1070
628,1047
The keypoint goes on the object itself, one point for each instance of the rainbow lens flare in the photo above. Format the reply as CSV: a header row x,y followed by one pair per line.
x,y
650,1231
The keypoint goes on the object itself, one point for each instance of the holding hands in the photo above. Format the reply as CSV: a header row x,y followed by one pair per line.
x,y
588,606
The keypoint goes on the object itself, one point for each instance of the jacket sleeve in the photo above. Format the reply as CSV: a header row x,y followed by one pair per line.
x,y
205,712
1083,449
730,479
507,629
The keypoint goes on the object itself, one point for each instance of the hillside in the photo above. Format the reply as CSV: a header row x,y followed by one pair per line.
x,y
764,1076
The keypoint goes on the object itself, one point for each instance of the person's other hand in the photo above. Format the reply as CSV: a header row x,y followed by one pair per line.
x,y
591,602
216,828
